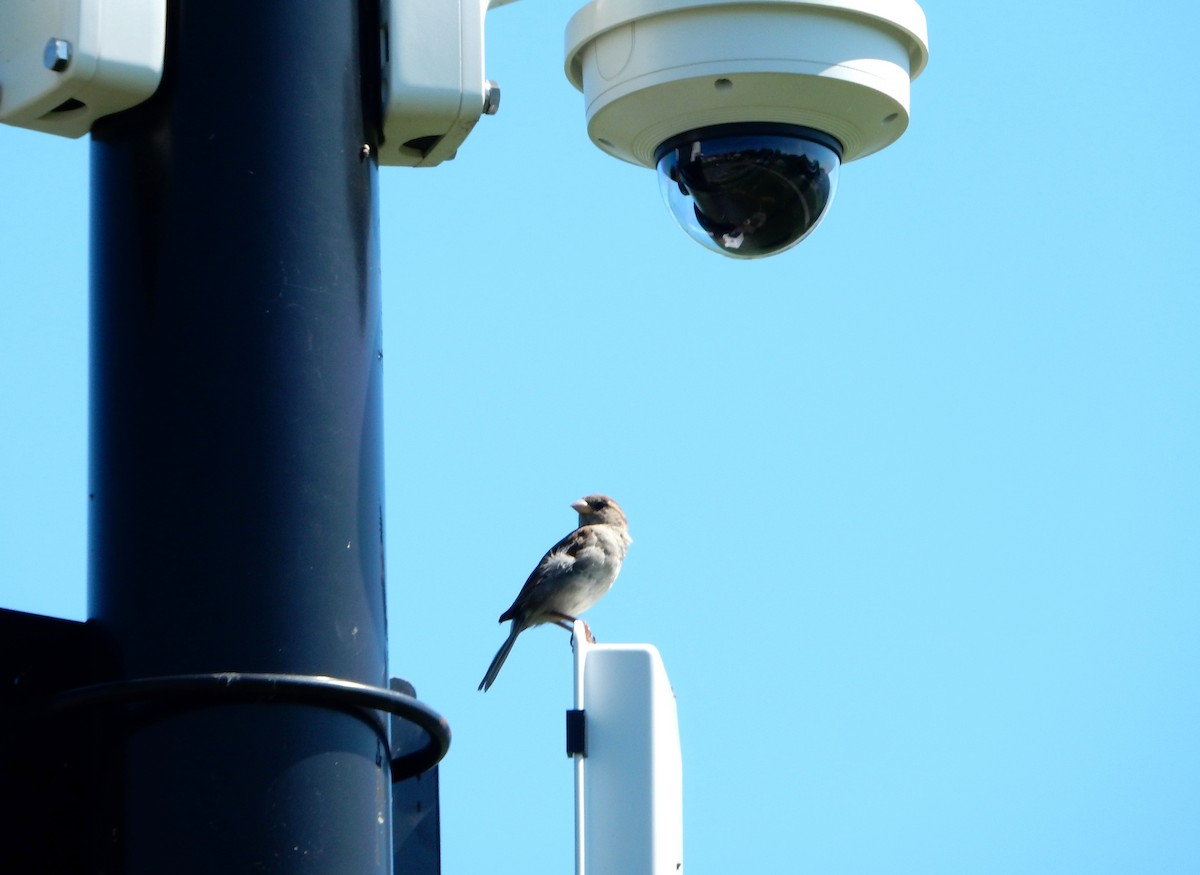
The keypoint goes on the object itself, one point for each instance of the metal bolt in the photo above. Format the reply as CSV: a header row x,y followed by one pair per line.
x,y
491,97
57,54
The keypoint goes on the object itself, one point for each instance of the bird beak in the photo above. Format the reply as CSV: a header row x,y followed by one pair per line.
x,y
581,506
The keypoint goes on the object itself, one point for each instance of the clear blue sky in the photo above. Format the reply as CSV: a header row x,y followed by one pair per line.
x,y
916,505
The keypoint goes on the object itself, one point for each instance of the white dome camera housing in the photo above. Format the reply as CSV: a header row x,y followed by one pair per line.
x,y
747,108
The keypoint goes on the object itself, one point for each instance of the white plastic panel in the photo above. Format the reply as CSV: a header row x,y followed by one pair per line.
x,y
66,63
631,796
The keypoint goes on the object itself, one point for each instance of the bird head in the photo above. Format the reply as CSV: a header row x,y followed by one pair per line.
x,y
597,510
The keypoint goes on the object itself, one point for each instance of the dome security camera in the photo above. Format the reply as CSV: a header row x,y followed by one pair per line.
x,y
747,108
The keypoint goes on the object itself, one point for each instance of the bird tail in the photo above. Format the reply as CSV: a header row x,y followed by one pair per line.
x,y
498,660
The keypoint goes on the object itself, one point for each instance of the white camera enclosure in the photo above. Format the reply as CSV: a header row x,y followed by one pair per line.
x,y
66,63
652,69
433,85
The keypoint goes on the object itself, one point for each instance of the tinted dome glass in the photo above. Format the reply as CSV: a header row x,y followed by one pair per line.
x,y
746,192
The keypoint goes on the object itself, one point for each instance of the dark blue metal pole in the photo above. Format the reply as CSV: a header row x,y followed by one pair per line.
x,y
236,465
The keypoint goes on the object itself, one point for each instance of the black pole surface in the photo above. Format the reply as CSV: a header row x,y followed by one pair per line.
x,y
236,468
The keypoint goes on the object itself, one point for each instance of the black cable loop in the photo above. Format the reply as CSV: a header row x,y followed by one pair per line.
x,y
203,690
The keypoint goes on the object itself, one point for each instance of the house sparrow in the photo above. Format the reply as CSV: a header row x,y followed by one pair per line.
x,y
571,577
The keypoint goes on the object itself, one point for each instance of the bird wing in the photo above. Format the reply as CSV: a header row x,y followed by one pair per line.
x,y
563,558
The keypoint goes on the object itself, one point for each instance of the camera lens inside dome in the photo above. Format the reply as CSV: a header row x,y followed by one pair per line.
x,y
749,190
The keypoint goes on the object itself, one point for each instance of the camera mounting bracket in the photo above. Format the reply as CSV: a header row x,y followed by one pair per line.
x,y
66,63
434,90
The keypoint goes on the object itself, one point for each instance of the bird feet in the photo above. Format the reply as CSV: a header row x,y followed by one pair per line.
x,y
568,622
